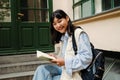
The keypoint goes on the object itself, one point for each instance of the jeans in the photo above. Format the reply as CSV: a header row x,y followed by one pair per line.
x,y
47,72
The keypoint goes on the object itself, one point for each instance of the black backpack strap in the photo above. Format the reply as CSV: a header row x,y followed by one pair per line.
x,y
74,43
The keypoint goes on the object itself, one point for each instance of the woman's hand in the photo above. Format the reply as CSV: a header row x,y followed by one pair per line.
x,y
59,61
53,55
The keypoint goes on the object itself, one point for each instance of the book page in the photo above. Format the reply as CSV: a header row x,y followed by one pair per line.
x,y
44,56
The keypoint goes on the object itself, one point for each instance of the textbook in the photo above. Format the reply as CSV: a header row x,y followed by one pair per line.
x,y
44,56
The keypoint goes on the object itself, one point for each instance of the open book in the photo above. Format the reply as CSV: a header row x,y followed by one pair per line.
x,y
44,56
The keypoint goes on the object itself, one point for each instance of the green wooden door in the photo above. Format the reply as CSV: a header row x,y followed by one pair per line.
x,y
7,27
28,29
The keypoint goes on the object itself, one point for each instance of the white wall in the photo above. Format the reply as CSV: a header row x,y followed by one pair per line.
x,y
104,32
65,5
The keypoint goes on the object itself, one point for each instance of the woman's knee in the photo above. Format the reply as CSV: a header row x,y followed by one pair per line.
x,y
40,68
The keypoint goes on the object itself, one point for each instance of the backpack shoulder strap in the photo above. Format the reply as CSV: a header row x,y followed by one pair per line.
x,y
75,36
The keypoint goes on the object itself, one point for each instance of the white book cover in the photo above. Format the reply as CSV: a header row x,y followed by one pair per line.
x,y
44,56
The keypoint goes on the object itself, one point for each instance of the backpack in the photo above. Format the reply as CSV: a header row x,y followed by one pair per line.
x,y
96,68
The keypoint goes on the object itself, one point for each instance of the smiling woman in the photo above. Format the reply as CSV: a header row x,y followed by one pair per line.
x,y
67,66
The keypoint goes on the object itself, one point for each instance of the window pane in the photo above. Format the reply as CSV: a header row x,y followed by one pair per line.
x,y
28,15
5,11
87,11
42,16
116,3
98,6
27,3
77,12
41,3
106,4
4,3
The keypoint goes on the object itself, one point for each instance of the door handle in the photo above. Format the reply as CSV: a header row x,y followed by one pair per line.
x,y
20,14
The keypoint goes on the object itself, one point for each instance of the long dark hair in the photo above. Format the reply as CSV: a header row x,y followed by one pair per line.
x,y
56,36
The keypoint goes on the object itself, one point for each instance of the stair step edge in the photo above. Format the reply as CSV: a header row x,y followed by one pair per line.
x,y
20,74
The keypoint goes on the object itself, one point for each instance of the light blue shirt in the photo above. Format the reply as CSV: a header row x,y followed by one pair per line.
x,y
83,57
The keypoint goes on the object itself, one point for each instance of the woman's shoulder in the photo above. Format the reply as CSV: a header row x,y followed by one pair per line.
x,y
78,30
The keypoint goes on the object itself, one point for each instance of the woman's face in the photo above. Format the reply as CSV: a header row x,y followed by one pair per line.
x,y
60,25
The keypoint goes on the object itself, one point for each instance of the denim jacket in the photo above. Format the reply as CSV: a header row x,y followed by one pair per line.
x,y
84,53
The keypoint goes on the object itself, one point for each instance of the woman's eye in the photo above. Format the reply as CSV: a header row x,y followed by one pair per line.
x,y
59,21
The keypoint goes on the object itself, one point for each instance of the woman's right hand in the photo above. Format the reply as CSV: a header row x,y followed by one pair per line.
x,y
59,61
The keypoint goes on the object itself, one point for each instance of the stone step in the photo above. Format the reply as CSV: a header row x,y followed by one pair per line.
x,y
17,58
20,67
15,75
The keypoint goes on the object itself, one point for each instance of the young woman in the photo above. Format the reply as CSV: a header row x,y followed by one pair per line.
x,y
61,32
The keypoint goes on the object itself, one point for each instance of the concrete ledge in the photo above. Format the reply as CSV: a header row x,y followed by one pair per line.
x,y
13,75
23,63
20,67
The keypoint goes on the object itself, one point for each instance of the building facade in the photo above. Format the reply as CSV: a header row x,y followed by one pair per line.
x,y
25,27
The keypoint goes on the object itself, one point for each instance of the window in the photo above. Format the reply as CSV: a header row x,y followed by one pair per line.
x,y
86,8
109,4
82,8
5,11
35,10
